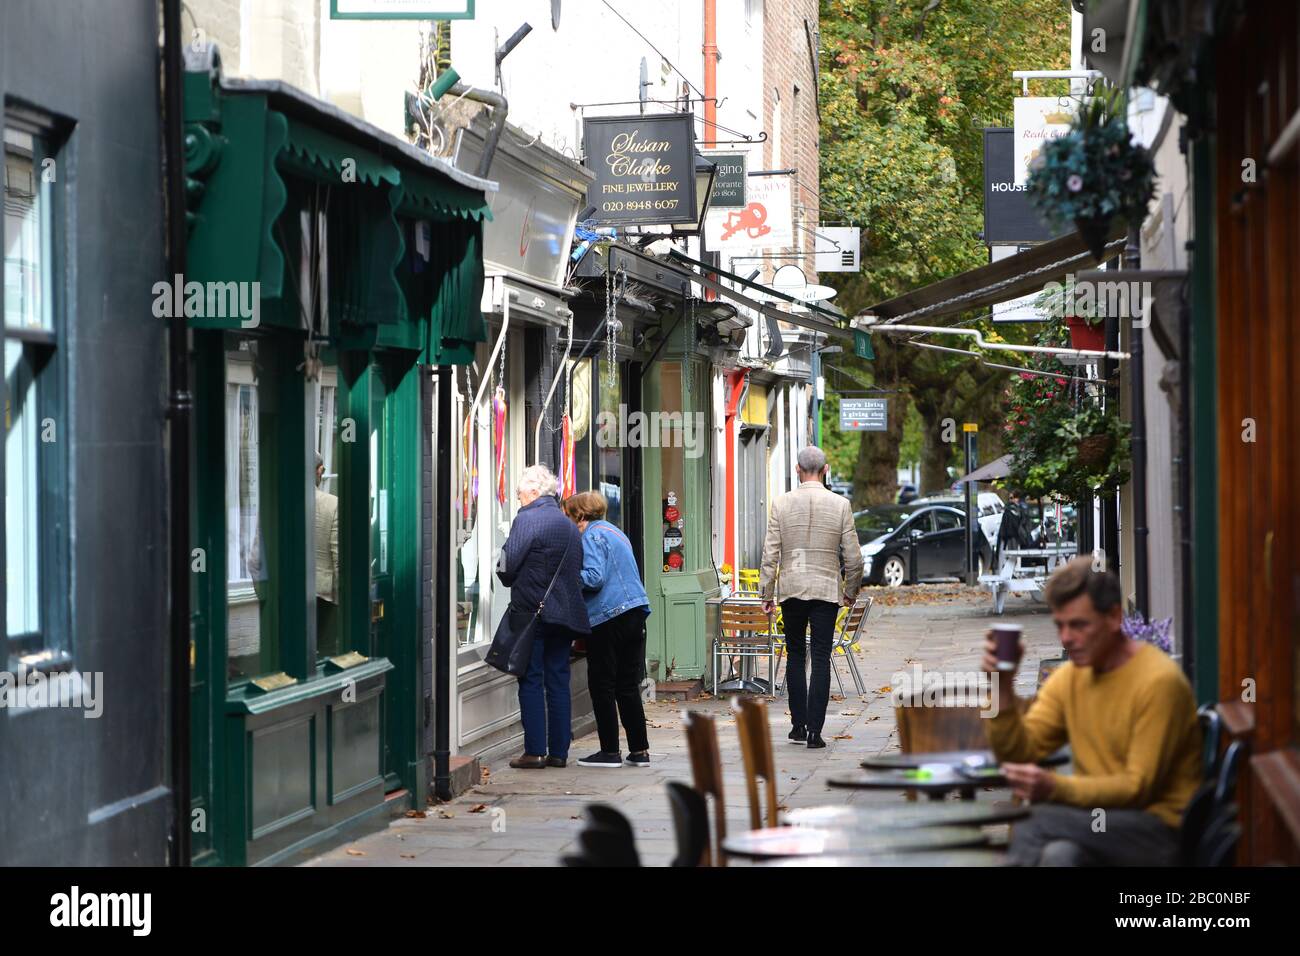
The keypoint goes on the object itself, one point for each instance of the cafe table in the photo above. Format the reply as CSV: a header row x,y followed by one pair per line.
x,y
973,857
963,813
969,758
780,842
935,780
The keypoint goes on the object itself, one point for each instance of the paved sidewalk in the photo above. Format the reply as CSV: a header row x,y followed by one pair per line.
x,y
532,817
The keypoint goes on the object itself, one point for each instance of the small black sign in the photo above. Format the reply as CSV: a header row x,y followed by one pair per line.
x,y
729,183
1009,216
644,166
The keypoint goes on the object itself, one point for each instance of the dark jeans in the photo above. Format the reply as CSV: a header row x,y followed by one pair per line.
x,y
544,704
808,706
1059,835
615,659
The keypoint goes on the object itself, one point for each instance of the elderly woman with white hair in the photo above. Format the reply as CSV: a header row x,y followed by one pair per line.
x,y
544,551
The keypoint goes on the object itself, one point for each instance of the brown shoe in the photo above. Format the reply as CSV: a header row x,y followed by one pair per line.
x,y
557,762
528,762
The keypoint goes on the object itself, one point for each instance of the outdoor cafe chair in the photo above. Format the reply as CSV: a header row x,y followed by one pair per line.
x,y
756,750
606,840
849,630
690,824
706,776
745,631
1211,732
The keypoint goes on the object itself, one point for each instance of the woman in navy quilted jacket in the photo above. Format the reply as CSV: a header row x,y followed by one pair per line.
x,y
541,541
617,607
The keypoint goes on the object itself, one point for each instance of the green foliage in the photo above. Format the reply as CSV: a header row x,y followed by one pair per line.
x,y
1049,420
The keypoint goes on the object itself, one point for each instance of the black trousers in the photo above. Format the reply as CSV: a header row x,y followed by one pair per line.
x,y
615,660
808,704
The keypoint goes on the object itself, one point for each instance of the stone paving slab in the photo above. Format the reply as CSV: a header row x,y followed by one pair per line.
x,y
532,818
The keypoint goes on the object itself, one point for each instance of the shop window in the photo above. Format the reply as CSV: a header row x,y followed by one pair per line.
x,y
608,456
329,620
251,536
35,426
672,464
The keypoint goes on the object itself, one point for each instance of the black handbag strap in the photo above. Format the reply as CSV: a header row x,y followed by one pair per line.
x,y
554,577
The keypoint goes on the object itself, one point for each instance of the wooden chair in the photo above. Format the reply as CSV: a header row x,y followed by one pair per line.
x,y
606,840
927,729
744,631
756,749
690,824
706,776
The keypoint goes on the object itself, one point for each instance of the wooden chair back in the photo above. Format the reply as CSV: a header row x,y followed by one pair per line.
x,y
741,619
756,749
854,620
706,777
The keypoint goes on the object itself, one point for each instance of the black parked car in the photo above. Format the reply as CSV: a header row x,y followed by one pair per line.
x,y
904,544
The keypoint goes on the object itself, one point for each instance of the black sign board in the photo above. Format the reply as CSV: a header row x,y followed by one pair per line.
x,y
1009,216
644,166
729,183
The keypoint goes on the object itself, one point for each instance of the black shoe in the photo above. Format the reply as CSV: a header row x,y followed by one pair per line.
x,y
798,735
559,762
638,760
602,759
815,741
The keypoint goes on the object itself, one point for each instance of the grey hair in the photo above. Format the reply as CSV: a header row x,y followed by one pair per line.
x,y
811,460
538,478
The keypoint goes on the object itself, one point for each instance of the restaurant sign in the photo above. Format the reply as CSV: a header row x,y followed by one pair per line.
x,y
729,183
644,168
401,9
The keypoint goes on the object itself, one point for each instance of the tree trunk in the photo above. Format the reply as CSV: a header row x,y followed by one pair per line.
x,y
935,457
875,477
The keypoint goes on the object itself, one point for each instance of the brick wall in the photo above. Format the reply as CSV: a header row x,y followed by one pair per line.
x,y
787,65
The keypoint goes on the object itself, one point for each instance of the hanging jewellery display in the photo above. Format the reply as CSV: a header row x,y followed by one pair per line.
x,y
613,324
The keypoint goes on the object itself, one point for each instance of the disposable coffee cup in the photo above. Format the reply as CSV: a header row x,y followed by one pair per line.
x,y
1007,639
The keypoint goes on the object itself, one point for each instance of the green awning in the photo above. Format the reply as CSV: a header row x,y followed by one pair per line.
x,y
424,197
337,162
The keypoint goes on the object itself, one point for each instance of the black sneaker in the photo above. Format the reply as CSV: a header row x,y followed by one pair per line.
x,y
798,735
815,741
602,759
638,760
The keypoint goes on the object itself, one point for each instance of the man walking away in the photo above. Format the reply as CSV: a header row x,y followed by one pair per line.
x,y
810,541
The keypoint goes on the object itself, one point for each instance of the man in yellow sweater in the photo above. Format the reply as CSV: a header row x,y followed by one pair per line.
x,y
1129,716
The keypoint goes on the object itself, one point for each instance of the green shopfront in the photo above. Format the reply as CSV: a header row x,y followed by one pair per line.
x,y
329,266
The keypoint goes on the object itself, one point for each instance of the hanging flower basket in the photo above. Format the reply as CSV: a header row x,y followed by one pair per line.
x,y
1085,335
1093,174
1094,450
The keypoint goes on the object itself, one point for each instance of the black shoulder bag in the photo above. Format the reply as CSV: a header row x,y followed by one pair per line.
x,y
512,644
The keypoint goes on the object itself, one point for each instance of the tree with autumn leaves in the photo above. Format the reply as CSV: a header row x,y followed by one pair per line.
x,y
906,89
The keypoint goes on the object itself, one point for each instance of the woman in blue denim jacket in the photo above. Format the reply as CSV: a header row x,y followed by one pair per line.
x,y
617,607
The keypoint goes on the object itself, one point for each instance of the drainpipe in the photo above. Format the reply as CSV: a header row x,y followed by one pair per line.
x,y
1138,446
710,73
180,407
442,670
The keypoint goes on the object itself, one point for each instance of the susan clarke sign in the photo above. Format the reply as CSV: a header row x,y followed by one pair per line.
x,y
644,168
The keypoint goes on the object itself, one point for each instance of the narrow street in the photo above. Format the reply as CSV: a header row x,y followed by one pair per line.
x,y
532,818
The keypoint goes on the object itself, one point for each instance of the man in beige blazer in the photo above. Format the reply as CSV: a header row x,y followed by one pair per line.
x,y
812,563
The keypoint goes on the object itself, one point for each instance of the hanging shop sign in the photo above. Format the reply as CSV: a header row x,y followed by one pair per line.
x,y
644,168
401,9
764,222
729,182
1038,119
862,345
1021,309
864,414
1009,216
837,248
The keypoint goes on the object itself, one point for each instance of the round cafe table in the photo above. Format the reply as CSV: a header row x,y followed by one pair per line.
x,y
975,857
965,813
778,842
934,783
969,758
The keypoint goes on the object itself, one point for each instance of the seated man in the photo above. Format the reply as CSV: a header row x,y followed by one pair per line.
x,y
1129,716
